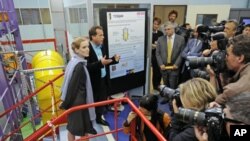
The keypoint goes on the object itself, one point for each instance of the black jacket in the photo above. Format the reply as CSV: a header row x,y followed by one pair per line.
x,y
94,67
181,131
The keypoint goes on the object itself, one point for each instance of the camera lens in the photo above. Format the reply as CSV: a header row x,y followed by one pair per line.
x,y
199,62
191,116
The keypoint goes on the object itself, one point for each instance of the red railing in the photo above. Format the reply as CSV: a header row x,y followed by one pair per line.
x,y
25,99
55,122
32,41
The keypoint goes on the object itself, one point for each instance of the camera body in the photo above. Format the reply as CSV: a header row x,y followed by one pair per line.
x,y
200,73
210,118
170,94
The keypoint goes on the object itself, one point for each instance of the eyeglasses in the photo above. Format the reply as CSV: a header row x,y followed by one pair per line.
x,y
230,120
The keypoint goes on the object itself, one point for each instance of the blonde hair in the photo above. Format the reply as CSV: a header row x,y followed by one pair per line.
x,y
198,93
77,42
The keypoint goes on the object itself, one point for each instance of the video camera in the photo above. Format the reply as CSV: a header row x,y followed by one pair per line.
x,y
210,118
186,33
205,31
170,94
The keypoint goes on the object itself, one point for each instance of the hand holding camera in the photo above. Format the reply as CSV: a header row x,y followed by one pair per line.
x,y
131,116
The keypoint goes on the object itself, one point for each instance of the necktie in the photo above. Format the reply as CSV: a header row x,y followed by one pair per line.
x,y
169,50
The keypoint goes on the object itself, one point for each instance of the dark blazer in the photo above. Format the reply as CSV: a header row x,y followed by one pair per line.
x,y
161,50
94,67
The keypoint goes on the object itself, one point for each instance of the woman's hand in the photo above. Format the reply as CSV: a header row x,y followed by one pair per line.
x,y
131,116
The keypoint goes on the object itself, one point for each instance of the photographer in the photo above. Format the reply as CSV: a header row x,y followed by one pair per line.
x,y
194,94
237,60
214,56
148,105
236,113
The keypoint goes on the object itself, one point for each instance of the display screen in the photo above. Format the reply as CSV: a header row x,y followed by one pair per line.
x,y
246,20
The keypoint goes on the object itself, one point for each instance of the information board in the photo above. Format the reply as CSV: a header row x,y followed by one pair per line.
x,y
125,34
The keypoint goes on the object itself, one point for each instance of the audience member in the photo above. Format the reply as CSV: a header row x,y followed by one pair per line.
x,y
192,49
168,55
231,28
246,30
156,77
172,15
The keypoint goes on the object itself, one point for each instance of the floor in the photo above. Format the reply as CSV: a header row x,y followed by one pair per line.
x,y
109,116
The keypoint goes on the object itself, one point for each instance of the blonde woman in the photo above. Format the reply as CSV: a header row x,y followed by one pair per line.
x,y
77,90
195,94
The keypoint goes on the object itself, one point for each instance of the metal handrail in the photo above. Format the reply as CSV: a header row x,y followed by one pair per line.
x,y
26,98
40,132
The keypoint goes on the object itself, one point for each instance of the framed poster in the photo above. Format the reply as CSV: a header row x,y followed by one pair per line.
x,y
125,34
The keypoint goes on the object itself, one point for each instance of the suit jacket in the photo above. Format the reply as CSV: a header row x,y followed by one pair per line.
x,y
94,67
161,50
193,48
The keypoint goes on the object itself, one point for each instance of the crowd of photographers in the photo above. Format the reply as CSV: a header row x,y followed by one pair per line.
x,y
217,54
224,60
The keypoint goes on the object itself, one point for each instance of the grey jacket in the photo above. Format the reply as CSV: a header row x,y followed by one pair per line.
x,y
161,50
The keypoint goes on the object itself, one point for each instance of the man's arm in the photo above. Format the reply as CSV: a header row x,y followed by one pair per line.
x,y
158,53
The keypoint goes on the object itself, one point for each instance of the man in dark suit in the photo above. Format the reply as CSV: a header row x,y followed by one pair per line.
x,y
156,76
97,65
168,54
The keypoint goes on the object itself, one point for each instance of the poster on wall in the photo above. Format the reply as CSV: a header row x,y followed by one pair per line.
x,y
125,34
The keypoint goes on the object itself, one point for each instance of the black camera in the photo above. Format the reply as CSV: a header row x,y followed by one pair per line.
x,y
186,33
170,94
200,73
211,118
210,29
217,61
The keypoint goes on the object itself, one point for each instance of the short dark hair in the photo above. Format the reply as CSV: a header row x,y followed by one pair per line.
x,y
239,107
173,12
92,31
157,19
241,46
149,102
185,25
